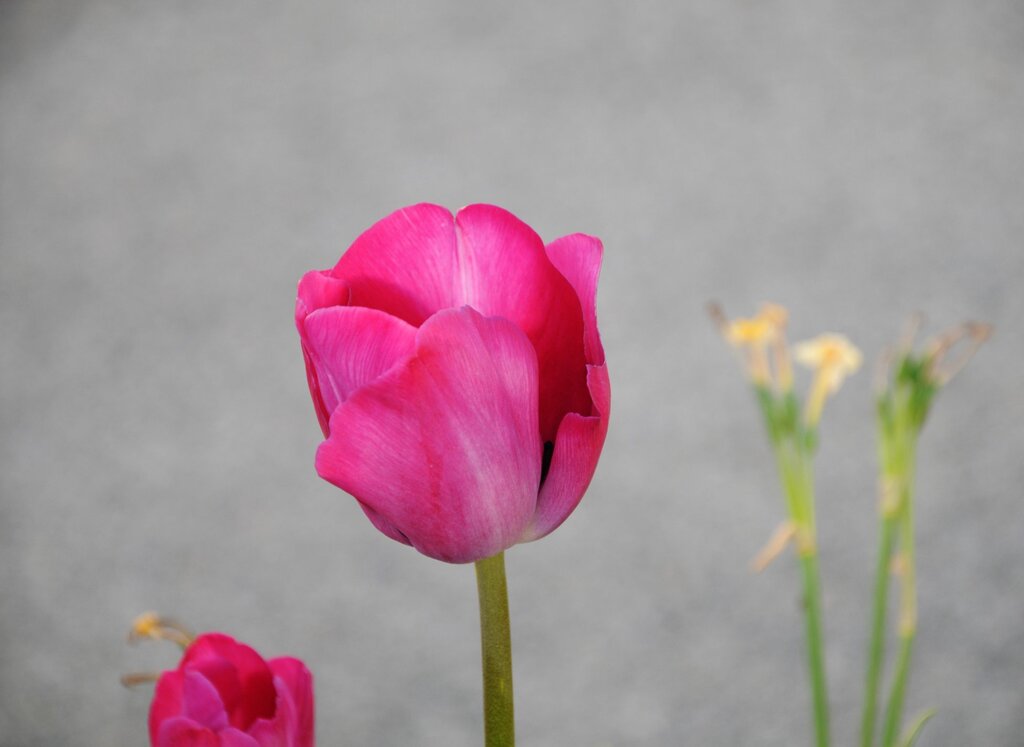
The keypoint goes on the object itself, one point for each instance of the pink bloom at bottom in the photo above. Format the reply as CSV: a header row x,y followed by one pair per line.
x,y
224,694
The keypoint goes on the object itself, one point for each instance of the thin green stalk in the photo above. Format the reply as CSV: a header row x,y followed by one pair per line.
x,y
799,482
815,647
894,711
496,651
876,651
908,612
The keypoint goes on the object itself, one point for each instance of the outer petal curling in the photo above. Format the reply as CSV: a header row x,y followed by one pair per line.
x,y
351,346
455,430
578,258
574,460
317,290
294,685
580,436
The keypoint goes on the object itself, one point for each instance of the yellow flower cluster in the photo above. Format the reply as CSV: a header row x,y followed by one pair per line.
x,y
761,340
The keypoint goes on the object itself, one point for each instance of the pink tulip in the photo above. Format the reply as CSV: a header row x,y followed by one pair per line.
x,y
458,375
223,694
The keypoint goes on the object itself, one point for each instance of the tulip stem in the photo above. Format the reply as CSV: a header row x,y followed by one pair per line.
x,y
496,651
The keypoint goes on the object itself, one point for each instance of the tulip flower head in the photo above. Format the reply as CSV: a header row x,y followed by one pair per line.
x,y
224,694
458,376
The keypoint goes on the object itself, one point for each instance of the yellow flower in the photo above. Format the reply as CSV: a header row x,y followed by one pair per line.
x,y
753,336
753,332
757,331
158,628
146,625
833,358
151,625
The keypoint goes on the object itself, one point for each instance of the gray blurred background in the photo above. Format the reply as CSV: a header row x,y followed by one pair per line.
x,y
169,170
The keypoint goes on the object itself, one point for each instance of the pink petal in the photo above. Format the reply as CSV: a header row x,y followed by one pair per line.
x,y
405,264
294,685
577,449
322,415
383,524
445,447
235,738
223,677
292,724
506,272
240,675
182,732
269,733
166,701
317,290
420,260
351,346
201,702
578,258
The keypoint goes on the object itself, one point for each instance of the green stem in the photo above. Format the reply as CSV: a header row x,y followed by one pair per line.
x,y
895,710
496,650
815,648
908,613
876,651
794,460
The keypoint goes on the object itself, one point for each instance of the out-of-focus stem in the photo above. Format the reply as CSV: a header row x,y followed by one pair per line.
x,y
798,480
876,650
908,603
815,647
894,712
